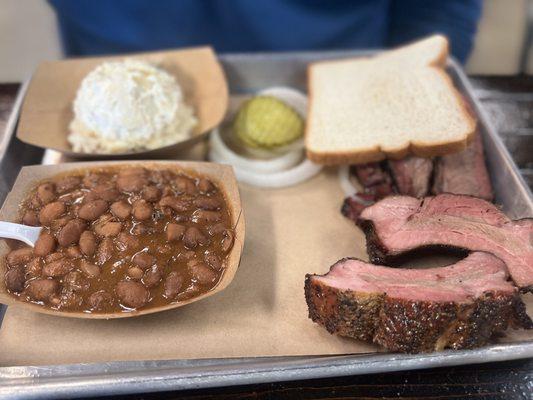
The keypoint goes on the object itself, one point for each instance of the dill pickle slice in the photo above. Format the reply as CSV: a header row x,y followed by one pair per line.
x,y
265,121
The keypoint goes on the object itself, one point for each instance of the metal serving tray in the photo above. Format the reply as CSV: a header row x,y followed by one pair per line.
x,y
249,73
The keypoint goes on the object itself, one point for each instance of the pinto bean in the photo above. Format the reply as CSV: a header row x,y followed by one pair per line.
x,y
132,294
45,245
46,192
58,268
135,273
93,210
132,180
121,209
207,203
106,191
104,251
227,241
173,284
34,268
30,218
73,252
142,210
185,185
15,279
53,257
201,273
152,277
216,229
206,216
159,177
87,243
92,179
60,222
174,203
143,260
108,229
71,232
89,197
88,269
174,232
125,241
42,289
51,211
19,256
205,185
193,237
185,255
99,300
213,261
151,193
67,184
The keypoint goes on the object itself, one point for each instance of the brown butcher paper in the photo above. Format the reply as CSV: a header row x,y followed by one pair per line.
x,y
289,232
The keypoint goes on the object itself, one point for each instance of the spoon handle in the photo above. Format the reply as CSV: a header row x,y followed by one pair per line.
x,y
26,234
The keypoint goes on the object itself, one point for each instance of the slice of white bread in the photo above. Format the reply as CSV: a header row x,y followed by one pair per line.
x,y
398,103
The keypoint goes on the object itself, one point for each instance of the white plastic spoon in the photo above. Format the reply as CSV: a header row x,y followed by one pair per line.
x,y
24,233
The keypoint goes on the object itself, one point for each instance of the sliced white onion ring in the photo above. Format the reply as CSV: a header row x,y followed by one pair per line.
x,y
345,181
302,172
276,164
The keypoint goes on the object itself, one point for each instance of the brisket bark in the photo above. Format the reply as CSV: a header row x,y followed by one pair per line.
x,y
399,224
459,306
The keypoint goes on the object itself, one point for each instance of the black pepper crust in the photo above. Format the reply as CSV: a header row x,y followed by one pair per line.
x,y
408,326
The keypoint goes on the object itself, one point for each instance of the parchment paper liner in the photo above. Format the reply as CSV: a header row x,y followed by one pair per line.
x,y
47,108
221,175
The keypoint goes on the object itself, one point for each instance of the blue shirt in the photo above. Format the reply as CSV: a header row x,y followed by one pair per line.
x,y
90,27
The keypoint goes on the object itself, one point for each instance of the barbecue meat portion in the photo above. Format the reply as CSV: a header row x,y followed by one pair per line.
x,y
463,173
463,305
400,223
412,175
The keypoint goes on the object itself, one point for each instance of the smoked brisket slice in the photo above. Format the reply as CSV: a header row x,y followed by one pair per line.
x,y
463,173
410,310
399,224
412,175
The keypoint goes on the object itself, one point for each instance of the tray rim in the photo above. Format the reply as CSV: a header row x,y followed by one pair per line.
x,y
123,377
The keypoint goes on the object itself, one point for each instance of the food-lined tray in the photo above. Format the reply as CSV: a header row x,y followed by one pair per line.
x,y
246,74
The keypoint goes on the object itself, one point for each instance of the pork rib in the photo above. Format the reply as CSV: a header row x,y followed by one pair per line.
x,y
409,310
399,224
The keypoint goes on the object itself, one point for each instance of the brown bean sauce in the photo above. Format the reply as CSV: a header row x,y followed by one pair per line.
x,y
120,239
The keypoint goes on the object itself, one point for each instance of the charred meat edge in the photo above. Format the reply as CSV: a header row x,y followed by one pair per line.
x,y
409,326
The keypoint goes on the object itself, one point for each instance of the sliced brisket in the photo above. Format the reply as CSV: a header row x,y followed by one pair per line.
x,y
376,183
412,175
400,223
464,172
460,306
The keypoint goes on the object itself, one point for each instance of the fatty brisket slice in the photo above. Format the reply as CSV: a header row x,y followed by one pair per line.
x,y
464,172
400,224
463,305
